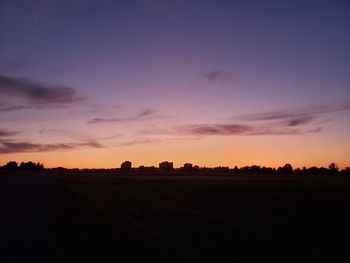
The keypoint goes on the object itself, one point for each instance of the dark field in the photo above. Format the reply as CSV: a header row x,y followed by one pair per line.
x,y
174,219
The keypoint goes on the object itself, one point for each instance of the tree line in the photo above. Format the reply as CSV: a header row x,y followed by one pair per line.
x,y
189,169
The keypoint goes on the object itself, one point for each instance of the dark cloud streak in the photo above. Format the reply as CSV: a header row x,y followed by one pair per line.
x,y
25,147
298,121
36,94
305,114
216,129
139,142
316,130
14,108
5,133
233,129
216,75
139,116
219,76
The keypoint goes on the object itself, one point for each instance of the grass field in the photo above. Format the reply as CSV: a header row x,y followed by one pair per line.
x,y
190,219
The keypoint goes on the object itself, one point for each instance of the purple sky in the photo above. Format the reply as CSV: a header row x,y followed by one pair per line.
x,y
211,82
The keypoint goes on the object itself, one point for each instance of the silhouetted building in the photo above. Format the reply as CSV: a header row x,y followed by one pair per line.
x,y
126,166
166,165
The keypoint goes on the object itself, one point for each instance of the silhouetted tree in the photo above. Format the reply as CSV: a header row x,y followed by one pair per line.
x,y
254,169
11,165
31,165
236,170
287,169
221,169
346,171
166,166
333,166
196,167
39,166
187,167
126,166
268,171
298,172
333,169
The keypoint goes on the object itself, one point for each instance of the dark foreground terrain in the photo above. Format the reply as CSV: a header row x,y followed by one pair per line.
x,y
174,219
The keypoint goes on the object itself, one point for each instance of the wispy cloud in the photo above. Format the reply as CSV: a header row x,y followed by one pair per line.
x,y
25,147
14,108
140,116
218,76
36,94
303,114
161,139
216,129
139,142
267,123
315,130
215,75
298,121
232,129
294,118
5,133
10,143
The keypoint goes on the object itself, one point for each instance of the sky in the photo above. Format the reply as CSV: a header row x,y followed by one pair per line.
x,y
92,83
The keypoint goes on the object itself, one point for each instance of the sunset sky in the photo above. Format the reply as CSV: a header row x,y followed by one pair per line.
x,y
91,83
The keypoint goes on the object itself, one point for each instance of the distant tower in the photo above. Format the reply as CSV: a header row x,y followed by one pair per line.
x,y
166,165
126,166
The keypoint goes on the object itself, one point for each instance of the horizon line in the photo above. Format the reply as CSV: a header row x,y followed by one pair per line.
x,y
193,166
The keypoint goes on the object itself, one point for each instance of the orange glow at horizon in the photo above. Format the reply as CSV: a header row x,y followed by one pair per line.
x,y
207,152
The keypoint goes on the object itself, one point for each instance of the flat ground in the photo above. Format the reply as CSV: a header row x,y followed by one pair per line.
x,y
174,219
